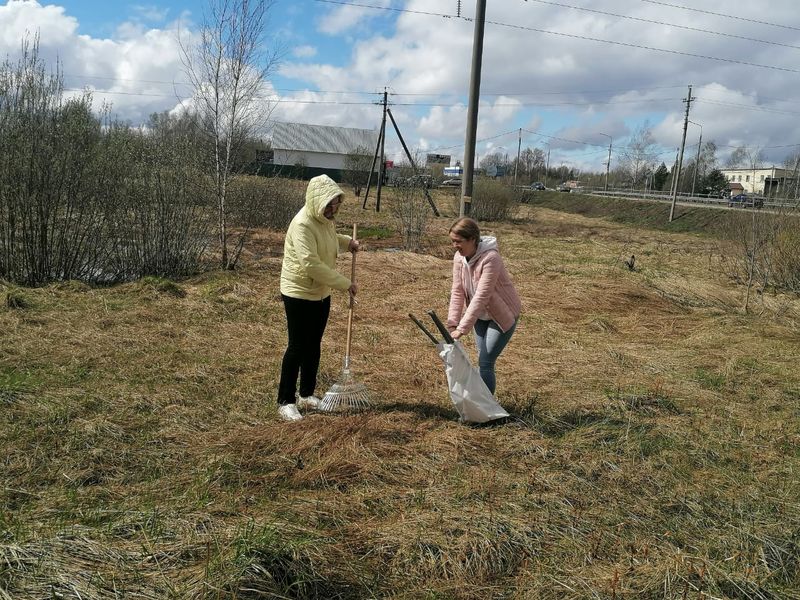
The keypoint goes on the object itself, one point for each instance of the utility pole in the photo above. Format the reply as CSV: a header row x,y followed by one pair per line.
x,y
382,167
697,160
472,112
608,162
688,101
519,147
547,165
378,154
674,172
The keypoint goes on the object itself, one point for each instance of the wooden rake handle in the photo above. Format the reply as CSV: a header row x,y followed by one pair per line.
x,y
352,303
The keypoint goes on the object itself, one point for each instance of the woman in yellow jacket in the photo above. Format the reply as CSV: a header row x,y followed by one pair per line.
x,y
307,276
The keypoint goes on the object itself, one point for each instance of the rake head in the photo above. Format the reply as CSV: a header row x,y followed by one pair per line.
x,y
345,395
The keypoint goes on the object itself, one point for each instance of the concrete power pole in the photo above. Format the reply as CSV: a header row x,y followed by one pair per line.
x,y
472,112
519,147
677,177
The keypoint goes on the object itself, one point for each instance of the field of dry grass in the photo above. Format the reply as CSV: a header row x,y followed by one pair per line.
x,y
654,453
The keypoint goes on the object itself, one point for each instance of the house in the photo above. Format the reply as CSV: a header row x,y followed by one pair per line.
x,y
317,149
757,181
735,189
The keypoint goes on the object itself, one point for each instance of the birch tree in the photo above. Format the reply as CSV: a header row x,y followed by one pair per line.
x,y
638,158
228,67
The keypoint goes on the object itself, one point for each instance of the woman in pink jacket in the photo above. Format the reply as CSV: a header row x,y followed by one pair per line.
x,y
483,296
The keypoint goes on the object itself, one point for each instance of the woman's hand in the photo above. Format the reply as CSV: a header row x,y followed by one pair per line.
x,y
353,290
353,246
455,334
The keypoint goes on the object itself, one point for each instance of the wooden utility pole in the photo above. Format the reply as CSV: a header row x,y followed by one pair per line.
x,y
519,147
378,154
472,112
697,161
677,177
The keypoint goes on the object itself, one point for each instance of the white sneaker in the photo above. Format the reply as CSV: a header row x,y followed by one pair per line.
x,y
311,402
288,412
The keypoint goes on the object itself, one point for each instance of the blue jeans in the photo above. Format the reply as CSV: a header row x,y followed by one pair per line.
x,y
490,340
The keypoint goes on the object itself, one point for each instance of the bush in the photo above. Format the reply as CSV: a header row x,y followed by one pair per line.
x,y
265,201
763,250
82,198
411,209
491,201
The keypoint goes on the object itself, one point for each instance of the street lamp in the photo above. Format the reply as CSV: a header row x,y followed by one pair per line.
x,y
608,163
697,160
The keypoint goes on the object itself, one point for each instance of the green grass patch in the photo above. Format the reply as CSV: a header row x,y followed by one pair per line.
x,y
709,380
375,233
639,213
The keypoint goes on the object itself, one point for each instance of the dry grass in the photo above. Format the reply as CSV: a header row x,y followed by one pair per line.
x,y
654,451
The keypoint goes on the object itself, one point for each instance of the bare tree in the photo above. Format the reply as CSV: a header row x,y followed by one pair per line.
x,y
638,158
737,158
227,68
357,163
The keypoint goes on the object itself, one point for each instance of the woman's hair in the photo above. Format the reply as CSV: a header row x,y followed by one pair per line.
x,y
466,228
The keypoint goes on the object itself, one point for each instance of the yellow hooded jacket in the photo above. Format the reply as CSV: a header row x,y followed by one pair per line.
x,y
312,245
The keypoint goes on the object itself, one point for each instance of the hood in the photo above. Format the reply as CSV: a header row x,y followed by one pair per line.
x,y
321,190
486,244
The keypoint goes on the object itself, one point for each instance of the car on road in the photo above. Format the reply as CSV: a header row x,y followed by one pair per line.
x,y
745,201
563,187
452,182
537,186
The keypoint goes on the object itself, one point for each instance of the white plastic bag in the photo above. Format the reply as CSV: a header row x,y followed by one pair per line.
x,y
472,399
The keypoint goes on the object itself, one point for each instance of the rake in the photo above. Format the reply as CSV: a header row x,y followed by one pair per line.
x,y
347,394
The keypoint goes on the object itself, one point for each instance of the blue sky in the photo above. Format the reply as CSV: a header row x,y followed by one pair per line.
x,y
562,75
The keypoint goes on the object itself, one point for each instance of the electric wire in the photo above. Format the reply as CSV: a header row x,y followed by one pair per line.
x,y
675,25
716,14
575,36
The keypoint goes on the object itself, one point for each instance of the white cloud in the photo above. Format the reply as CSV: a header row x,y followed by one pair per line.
x,y
345,18
151,13
138,73
569,85
304,51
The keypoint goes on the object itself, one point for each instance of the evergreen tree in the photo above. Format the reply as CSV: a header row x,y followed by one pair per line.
x,y
660,177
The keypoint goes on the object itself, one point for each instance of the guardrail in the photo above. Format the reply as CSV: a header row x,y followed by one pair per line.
x,y
771,203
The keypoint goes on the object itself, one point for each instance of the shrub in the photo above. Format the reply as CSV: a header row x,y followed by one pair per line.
x,y
763,250
265,201
85,199
411,210
491,201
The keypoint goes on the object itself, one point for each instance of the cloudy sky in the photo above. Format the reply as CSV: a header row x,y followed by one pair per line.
x,y
565,76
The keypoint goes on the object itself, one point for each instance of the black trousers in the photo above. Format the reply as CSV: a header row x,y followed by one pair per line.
x,y
306,320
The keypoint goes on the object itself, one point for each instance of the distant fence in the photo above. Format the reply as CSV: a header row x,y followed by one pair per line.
x,y
769,203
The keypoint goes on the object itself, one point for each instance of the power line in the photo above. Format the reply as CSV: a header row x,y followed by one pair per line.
x,y
687,28
439,94
390,8
716,14
631,45
545,105
576,36
752,108
372,93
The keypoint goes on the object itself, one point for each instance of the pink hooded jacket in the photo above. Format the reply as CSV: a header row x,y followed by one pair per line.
x,y
482,288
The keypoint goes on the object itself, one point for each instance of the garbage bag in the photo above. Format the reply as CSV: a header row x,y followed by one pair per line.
x,y
472,399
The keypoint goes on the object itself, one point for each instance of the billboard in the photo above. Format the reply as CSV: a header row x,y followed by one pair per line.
x,y
437,159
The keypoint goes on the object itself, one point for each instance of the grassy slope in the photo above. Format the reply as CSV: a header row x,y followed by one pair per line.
x,y
642,213
655,454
